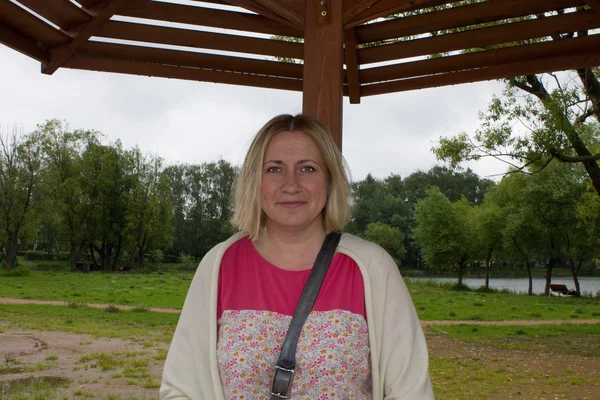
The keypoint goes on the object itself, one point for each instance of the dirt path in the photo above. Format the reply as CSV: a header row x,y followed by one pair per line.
x,y
8,300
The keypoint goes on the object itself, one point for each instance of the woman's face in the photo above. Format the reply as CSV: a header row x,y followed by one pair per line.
x,y
294,182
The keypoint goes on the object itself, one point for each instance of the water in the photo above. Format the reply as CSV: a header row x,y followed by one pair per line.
x,y
520,285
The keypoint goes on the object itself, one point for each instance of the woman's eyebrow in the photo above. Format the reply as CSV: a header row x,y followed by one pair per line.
x,y
280,162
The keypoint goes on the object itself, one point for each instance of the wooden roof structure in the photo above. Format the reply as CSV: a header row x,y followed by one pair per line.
x,y
351,48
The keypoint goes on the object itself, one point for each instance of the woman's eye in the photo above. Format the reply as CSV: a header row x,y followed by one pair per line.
x,y
274,169
307,168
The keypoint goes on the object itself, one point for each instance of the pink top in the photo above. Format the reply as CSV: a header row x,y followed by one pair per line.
x,y
255,304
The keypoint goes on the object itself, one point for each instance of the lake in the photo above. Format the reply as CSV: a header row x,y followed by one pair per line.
x,y
520,285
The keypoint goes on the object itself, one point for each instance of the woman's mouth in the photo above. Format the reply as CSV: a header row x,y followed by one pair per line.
x,y
292,204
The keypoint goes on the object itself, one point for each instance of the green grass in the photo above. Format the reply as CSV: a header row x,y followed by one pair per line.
x,y
143,290
582,340
444,303
86,320
31,388
433,302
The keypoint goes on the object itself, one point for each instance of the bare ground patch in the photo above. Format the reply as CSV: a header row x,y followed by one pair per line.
x,y
95,367
535,373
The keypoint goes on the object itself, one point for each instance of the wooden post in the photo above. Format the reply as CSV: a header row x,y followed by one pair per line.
x,y
323,64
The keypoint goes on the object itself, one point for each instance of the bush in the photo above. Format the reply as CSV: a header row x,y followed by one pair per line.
x,y
43,256
185,259
157,256
112,309
17,272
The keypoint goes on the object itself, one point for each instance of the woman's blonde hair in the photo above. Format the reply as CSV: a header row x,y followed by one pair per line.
x,y
247,213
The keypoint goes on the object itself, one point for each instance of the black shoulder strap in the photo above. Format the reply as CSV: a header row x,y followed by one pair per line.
x,y
285,369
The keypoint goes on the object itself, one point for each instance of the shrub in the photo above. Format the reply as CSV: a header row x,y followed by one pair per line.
x,y
17,272
157,256
112,309
185,259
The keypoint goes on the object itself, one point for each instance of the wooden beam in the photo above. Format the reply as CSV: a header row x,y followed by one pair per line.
x,y
323,64
60,12
595,5
30,27
351,60
481,59
194,74
352,8
190,59
287,13
456,17
383,8
22,44
205,40
253,6
160,11
89,4
481,38
484,74
63,53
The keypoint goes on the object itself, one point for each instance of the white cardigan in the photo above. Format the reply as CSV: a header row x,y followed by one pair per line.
x,y
399,358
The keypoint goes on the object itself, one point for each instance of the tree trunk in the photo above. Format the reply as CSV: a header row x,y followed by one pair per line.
x,y
11,252
487,267
574,273
117,254
106,258
93,255
140,258
591,87
462,266
530,287
549,275
73,256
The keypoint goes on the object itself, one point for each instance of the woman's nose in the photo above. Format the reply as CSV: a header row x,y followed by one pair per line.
x,y
291,181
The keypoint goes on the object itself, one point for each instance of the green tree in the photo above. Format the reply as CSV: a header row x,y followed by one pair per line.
x,y
150,212
444,232
489,222
62,152
378,200
21,191
107,183
530,125
201,196
452,183
388,237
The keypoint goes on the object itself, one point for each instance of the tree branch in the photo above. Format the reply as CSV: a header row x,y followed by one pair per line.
x,y
564,158
588,113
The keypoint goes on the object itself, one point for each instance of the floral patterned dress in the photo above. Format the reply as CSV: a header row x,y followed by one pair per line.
x,y
256,302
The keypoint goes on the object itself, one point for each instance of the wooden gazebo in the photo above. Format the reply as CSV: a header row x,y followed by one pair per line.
x,y
325,48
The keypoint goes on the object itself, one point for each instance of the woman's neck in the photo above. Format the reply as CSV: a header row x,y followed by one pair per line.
x,y
291,250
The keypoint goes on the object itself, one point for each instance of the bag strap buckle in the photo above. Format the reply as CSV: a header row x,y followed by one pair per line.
x,y
281,386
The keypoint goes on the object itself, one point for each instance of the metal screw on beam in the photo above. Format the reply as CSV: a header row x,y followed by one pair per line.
x,y
322,2
324,13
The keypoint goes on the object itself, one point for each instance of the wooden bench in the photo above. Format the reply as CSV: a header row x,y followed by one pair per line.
x,y
559,288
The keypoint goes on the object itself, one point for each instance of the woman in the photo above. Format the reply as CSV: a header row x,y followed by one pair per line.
x,y
362,339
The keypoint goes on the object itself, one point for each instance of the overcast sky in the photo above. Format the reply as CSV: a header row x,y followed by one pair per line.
x,y
195,122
